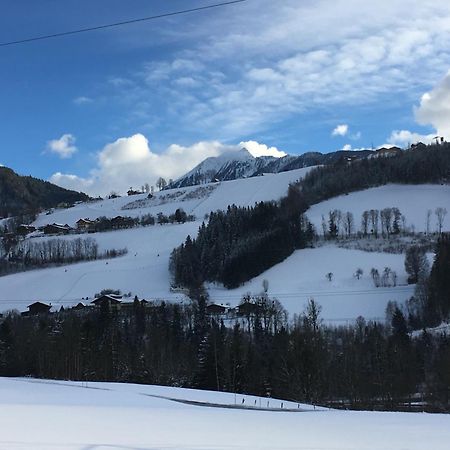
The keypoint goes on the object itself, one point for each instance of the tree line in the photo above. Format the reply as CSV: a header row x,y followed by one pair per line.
x,y
32,253
366,365
413,166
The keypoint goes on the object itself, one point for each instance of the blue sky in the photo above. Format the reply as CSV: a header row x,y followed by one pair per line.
x,y
108,109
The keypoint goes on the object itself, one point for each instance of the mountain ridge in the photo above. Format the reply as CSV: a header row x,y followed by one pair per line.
x,y
242,164
26,195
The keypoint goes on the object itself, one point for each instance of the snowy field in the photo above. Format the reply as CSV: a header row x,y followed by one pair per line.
x,y
47,415
303,276
412,200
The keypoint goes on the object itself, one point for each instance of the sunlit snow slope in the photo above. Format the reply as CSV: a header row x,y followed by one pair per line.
x,y
144,270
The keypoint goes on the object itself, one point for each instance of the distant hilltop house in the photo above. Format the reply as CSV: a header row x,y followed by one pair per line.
x,y
385,152
133,192
37,308
418,146
56,228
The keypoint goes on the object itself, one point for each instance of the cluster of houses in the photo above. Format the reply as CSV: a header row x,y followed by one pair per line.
x,y
117,303
111,301
82,225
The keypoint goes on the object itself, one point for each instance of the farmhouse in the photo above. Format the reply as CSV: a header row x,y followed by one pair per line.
x,y
108,300
385,152
56,228
37,308
84,224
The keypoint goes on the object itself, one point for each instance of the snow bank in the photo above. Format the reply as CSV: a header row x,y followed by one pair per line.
x,y
39,414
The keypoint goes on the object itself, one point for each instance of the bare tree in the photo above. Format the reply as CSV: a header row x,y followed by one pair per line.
x,y
440,216
324,226
374,215
429,212
386,221
348,223
365,223
161,183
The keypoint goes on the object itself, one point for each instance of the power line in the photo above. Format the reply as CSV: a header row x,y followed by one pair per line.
x,y
118,24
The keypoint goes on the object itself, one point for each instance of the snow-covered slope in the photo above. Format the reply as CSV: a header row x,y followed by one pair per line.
x,y
144,270
44,414
196,200
303,276
412,200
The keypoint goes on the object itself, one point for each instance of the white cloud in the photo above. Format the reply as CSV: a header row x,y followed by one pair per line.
x,y
404,138
82,100
434,108
129,162
64,147
347,147
257,149
340,130
274,74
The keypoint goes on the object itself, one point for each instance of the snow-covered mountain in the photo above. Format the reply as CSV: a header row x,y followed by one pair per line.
x,y
242,164
228,166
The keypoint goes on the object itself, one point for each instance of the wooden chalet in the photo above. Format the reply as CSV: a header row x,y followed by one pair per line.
x,y
37,308
84,224
248,309
56,228
109,300
79,306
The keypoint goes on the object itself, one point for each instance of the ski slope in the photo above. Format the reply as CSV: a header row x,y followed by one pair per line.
x,y
413,201
44,415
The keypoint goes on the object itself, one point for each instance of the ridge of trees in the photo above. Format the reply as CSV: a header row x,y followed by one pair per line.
x,y
27,195
414,166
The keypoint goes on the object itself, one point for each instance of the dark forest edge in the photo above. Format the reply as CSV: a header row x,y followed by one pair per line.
x,y
363,366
